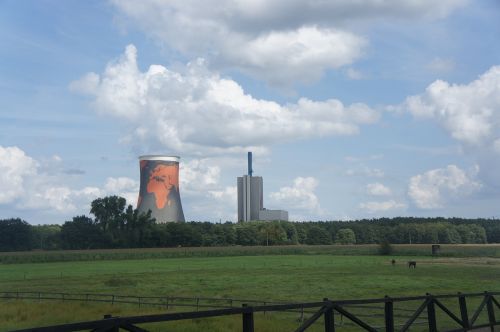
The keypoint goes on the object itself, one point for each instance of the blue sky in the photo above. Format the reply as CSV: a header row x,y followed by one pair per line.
x,y
352,109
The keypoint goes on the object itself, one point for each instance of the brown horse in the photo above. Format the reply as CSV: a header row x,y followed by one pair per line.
x,y
412,264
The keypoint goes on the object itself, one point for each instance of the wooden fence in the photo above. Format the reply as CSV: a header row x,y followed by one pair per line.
x,y
453,310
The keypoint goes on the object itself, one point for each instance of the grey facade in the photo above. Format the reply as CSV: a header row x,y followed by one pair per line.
x,y
270,215
250,197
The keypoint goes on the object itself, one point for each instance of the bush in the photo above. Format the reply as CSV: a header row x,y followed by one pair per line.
x,y
385,248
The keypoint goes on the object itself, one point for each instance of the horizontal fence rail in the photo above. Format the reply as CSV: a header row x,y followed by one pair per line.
x,y
167,302
454,309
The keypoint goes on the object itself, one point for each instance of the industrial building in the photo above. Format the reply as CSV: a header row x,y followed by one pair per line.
x,y
159,188
251,198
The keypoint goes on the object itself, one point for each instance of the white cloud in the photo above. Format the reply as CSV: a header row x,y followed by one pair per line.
x,y
198,176
24,184
228,194
196,111
377,189
122,186
298,55
384,206
276,40
300,196
469,112
17,170
434,188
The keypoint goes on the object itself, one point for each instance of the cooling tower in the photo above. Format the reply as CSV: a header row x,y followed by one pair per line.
x,y
159,189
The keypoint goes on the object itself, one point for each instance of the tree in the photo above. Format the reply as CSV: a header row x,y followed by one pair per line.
x,y
15,235
82,233
246,234
345,236
46,237
317,235
108,212
123,224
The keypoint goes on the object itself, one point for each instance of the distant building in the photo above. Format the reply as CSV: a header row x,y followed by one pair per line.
x,y
266,214
251,198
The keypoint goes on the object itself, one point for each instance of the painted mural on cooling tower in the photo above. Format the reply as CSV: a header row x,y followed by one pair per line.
x,y
159,190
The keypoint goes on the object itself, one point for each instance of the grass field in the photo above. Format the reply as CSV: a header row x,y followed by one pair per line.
x,y
293,277
447,250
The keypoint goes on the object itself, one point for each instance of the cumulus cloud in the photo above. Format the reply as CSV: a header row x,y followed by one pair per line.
x,y
275,40
228,194
196,111
383,206
25,184
17,170
305,53
469,112
300,196
434,188
122,186
198,176
377,189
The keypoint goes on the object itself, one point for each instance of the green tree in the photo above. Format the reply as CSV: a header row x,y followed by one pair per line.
x,y
345,236
318,235
82,233
46,237
246,234
109,213
15,235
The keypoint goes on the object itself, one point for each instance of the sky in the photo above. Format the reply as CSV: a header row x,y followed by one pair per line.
x,y
352,109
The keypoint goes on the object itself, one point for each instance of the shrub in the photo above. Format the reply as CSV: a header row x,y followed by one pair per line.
x,y
385,248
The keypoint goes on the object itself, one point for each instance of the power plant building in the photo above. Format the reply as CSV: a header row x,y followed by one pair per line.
x,y
159,188
251,198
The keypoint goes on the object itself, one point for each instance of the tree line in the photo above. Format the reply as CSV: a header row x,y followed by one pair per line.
x,y
113,224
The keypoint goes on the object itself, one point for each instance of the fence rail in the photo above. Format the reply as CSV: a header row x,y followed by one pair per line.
x,y
330,310
167,302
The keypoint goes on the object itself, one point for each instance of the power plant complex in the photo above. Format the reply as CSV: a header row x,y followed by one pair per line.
x,y
159,192
251,198
159,188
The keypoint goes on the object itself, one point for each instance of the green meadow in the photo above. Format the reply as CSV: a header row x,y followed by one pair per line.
x,y
278,277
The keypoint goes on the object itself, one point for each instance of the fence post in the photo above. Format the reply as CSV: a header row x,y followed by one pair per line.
x,y
329,320
491,311
114,328
197,304
113,300
431,313
463,311
389,314
247,319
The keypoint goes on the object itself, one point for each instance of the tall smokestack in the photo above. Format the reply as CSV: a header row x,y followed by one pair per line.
x,y
159,188
250,170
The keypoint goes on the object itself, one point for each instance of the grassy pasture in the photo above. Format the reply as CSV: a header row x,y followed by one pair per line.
x,y
277,276
447,250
